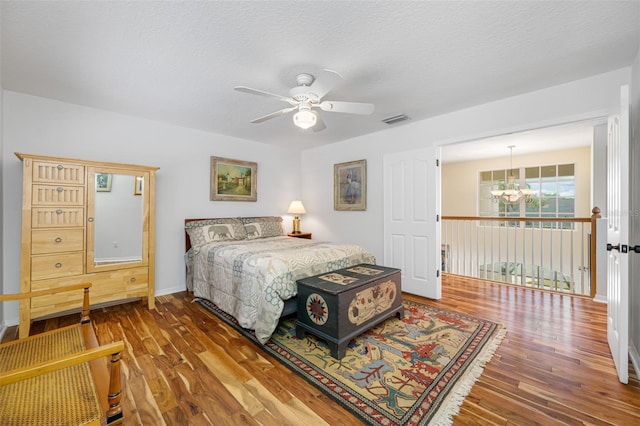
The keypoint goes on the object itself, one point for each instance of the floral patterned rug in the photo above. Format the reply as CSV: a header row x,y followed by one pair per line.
x,y
414,371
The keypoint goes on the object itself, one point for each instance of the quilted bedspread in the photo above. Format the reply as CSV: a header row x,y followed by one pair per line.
x,y
250,279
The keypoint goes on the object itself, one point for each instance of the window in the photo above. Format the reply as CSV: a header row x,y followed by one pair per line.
x,y
554,191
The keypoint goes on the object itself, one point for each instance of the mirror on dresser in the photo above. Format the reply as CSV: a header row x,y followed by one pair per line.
x,y
116,219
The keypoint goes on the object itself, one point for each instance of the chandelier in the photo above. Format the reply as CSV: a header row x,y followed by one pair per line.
x,y
512,194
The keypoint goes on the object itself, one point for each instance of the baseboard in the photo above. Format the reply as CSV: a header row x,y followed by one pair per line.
x,y
170,290
635,358
600,299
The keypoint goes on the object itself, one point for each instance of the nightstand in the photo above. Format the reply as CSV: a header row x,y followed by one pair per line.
x,y
306,235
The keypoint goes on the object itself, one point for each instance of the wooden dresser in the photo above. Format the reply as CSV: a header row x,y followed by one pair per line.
x,y
85,221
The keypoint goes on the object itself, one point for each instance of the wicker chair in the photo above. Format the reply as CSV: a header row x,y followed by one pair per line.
x,y
60,376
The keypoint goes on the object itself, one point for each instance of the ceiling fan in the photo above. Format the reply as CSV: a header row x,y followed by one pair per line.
x,y
307,96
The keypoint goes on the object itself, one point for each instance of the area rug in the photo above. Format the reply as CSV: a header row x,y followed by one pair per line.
x,y
414,371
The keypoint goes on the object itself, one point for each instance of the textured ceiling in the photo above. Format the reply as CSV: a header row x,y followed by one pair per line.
x,y
178,62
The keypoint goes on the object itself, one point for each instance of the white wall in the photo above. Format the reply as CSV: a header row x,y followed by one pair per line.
x,y
582,99
599,168
42,126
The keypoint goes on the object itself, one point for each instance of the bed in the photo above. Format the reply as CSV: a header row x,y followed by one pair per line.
x,y
248,267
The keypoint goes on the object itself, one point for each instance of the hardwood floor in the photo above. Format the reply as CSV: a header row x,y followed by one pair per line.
x,y
182,366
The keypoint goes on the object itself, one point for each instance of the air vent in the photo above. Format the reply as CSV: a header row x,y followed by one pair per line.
x,y
395,119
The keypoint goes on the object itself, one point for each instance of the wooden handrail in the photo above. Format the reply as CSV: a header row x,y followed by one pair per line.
x,y
520,218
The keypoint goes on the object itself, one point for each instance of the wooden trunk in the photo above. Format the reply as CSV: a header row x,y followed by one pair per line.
x,y
340,305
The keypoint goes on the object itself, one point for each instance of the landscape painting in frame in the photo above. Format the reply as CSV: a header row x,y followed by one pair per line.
x,y
350,185
233,180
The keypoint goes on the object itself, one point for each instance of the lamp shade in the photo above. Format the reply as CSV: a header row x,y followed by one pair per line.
x,y
296,207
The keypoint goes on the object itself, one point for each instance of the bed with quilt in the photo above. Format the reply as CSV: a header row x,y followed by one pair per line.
x,y
248,267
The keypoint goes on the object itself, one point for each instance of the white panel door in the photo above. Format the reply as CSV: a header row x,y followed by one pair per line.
x,y
411,229
618,237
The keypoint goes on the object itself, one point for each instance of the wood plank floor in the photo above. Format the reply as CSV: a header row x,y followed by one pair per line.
x,y
182,366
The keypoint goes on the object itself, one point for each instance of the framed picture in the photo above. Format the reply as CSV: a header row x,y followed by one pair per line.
x,y
137,185
350,185
233,180
103,182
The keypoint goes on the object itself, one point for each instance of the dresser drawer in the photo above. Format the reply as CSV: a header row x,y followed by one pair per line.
x,y
57,195
121,284
120,280
60,302
49,217
44,241
106,287
58,173
137,281
56,265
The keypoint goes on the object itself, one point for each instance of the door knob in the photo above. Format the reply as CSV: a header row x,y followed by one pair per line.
x,y
635,248
610,247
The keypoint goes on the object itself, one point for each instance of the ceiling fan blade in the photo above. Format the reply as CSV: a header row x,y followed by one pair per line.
x,y
263,93
325,82
348,107
274,115
319,123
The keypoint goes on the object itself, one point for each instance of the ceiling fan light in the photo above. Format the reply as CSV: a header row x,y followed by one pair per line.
x,y
304,119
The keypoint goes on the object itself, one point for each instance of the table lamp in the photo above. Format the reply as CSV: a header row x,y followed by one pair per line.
x,y
296,208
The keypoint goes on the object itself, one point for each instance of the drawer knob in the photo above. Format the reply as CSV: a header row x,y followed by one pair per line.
x,y
59,189
58,265
59,211
59,167
58,240
132,279
89,219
